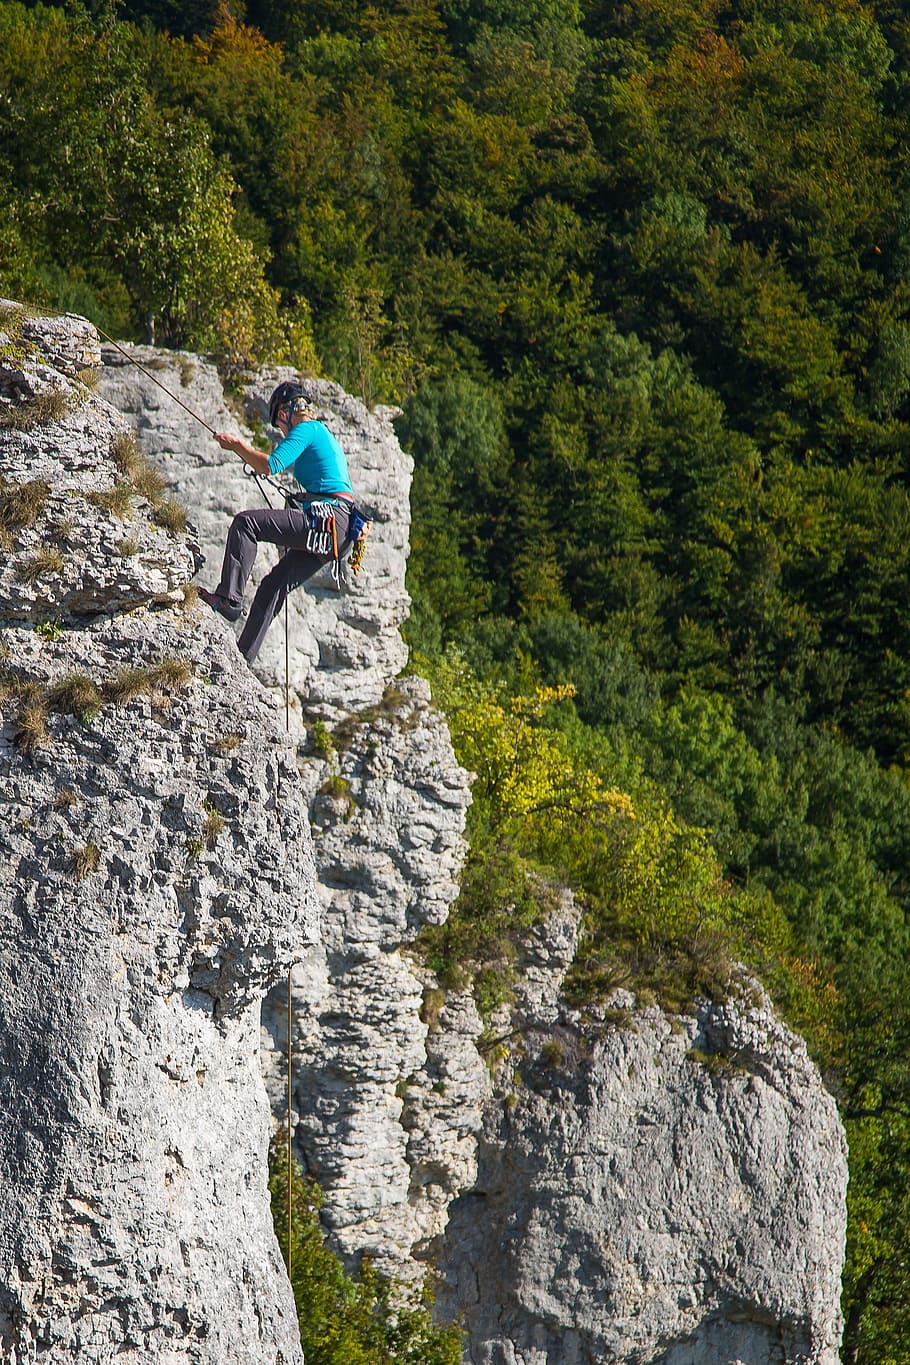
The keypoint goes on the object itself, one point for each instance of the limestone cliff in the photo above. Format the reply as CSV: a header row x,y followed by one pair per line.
x,y
376,1121
156,878
620,1185
649,1188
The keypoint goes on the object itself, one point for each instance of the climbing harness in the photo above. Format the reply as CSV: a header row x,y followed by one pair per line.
x,y
322,534
322,526
322,537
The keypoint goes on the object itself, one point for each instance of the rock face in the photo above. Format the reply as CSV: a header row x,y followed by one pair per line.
x,y
615,1187
377,1118
98,555
156,879
375,1123
651,1189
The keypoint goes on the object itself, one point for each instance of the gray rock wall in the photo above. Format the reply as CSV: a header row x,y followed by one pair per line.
x,y
373,1121
652,1189
619,1187
371,1116
156,878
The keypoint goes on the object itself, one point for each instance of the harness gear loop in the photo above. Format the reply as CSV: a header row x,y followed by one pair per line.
x,y
360,529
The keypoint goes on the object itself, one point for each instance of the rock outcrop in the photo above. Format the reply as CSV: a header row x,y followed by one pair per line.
x,y
377,1117
649,1188
156,878
614,1186
376,1125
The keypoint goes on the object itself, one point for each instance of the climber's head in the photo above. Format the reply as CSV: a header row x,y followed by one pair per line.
x,y
289,404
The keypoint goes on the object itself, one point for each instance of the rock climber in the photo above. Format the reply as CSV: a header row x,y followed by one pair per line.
x,y
313,529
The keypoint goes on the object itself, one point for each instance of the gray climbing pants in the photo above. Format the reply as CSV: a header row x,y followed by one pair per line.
x,y
284,526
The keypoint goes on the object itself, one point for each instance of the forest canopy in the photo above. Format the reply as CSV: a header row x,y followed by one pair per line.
x,y
638,276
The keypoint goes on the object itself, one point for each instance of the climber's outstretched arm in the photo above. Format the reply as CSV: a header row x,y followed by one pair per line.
x,y
253,457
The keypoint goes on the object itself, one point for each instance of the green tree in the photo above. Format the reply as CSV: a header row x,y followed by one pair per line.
x,y
125,188
347,1321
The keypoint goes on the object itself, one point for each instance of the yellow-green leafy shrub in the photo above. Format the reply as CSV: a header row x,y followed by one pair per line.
x,y
657,912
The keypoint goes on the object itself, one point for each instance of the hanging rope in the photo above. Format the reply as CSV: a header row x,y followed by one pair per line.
x,y
289,1152
148,374
42,311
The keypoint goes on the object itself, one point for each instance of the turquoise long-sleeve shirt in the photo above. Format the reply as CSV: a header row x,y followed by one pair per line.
x,y
316,459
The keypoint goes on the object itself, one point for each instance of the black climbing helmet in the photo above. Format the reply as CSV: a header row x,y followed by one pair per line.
x,y
287,395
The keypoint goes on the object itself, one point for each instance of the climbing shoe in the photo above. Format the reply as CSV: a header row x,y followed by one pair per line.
x,y
221,605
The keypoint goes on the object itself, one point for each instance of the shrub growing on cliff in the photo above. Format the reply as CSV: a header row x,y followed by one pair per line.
x,y
11,318
658,912
343,1321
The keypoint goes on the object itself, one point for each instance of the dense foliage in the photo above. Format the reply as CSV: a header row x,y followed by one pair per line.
x,y
638,274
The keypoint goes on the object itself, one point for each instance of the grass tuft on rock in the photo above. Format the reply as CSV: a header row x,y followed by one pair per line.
x,y
117,500
76,695
41,410
84,861
171,514
146,482
90,377
31,732
147,679
149,484
21,504
126,453
226,744
173,672
45,564
213,824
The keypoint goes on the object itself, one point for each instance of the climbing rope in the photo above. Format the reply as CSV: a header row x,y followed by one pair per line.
x,y
290,1149
148,374
42,311
289,1152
